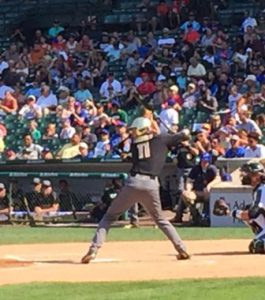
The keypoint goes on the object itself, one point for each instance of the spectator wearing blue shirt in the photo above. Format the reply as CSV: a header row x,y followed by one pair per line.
x,y
79,117
83,93
235,150
34,90
195,25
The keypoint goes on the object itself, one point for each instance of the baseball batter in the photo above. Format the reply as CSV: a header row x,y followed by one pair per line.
x,y
148,158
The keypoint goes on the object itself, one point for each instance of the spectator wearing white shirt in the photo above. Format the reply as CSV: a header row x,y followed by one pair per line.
x,y
102,146
111,87
233,99
169,117
67,131
196,69
30,110
190,97
248,21
30,150
247,124
254,150
47,100
166,40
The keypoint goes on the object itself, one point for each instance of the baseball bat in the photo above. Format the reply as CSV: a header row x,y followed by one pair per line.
x,y
10,202
32,222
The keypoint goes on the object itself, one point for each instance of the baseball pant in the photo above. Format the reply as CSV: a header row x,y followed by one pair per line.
x,y
145,190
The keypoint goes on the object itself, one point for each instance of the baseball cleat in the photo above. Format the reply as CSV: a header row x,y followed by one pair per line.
x,y
183,255
91,254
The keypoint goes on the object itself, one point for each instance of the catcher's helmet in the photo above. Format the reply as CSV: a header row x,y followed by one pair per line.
x,y
253,167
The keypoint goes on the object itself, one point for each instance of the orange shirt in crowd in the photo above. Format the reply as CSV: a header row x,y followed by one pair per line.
x,y
37,55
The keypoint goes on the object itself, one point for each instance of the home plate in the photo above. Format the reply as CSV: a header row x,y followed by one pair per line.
x,y
105,260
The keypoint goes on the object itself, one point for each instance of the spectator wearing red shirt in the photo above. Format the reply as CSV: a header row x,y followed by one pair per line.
x,y
191,36
147,87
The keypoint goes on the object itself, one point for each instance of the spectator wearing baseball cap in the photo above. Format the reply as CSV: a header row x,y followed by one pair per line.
x,y
30,110
235,150
84,151
174,94
169,117
120,141
199,182
103,145
117,113
63,95
55,29
46,153
190,97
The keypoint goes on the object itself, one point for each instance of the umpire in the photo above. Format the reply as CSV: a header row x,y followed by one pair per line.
x,y
148,157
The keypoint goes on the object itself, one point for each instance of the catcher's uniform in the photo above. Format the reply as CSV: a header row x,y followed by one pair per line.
x,y
257,212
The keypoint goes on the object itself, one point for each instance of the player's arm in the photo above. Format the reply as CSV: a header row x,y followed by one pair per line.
x,y
4,211
256,209
54,207
173,140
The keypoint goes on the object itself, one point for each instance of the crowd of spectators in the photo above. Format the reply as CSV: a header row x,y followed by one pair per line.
x,y
62,94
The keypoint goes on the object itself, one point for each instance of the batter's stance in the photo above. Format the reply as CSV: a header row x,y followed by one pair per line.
x,y
148,157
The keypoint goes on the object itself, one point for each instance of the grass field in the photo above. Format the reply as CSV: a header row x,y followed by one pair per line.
x,y
221,289
232,289
25,235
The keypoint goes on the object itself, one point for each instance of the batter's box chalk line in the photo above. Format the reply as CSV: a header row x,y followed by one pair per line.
x,y
105,260
17,258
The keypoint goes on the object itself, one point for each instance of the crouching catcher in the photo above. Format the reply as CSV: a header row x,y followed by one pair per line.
x,y
254,214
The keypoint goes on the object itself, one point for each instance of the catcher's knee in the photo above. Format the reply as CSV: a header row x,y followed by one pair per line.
x,y
256,246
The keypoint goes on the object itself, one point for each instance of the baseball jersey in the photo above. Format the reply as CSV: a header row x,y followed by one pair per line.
x,y
148,156
4,203
46,201
259,201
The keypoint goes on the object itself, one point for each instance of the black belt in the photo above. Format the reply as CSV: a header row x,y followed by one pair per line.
x,y
147,175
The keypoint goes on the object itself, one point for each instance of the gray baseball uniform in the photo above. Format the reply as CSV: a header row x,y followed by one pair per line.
x,y
142,186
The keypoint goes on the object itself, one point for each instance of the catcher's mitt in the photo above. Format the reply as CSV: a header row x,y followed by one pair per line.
x,y
221,208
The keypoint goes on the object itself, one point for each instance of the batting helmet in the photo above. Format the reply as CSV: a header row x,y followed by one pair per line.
x,y
141,123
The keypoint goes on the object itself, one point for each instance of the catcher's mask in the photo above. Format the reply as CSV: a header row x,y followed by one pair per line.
x,y
250,169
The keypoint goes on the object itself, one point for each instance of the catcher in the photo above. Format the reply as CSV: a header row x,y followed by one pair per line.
x,y
254,214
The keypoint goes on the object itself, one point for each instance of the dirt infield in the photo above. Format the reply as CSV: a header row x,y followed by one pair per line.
x,y
123,261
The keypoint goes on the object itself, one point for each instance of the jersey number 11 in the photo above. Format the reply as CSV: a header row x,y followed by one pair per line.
x,y
144,150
